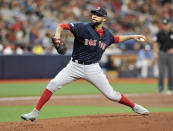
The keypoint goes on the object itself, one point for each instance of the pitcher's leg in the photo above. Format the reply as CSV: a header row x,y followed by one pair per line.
x,y
101,82
71,72
62,78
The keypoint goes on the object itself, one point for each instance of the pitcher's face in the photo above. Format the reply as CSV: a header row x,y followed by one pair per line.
x,y
97,18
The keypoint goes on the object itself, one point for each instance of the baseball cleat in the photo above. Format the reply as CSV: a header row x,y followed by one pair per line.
x,y
140,110
31,116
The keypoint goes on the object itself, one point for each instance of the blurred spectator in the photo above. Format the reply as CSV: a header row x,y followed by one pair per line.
x,y
19,51
9,49
145,62
22,22
1,48
11,36
37,49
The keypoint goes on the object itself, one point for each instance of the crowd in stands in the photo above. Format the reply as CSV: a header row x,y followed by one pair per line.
x,y
26,26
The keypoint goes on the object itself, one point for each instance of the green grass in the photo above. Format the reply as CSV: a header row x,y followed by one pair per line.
x,y
9,114
36,89
13,113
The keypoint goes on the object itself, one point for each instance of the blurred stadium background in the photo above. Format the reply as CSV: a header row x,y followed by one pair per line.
x,y
26,27
26,52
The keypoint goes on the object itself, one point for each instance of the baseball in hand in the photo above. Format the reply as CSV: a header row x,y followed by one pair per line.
x,y
142,39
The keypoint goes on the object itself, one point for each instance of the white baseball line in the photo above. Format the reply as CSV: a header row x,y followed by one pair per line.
x,y
68,97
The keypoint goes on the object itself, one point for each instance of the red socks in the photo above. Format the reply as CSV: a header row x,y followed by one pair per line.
x,y
43,99
47,94
126,102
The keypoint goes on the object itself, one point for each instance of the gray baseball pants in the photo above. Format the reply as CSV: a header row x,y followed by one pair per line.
x,y
165,62
93,73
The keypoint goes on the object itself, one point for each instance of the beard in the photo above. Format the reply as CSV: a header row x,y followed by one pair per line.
x,y
94,24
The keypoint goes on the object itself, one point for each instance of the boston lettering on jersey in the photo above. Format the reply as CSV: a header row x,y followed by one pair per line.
x,y
93,43
88,44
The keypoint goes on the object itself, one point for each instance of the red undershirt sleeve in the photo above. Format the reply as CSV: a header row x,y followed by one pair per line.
x,y
65,26
116,39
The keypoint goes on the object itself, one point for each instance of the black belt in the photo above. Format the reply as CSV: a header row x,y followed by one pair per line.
x,y
81,62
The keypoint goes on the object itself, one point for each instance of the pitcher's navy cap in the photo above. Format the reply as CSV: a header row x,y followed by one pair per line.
x,y
100,11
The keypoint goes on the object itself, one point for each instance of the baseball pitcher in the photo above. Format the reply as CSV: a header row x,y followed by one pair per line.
x,y
91,40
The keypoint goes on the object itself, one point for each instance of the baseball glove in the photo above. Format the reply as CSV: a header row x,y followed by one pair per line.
x,y
59,45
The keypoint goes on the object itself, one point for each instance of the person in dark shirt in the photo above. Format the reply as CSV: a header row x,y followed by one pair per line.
x,y
91,40
163,49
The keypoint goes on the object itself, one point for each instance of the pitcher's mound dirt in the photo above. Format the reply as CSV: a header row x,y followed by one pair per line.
x,y
106,122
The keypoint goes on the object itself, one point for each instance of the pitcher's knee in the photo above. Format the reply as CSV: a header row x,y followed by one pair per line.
x,y
53,86
114,96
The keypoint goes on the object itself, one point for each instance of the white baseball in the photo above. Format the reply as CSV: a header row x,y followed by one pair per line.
x,y
142,39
